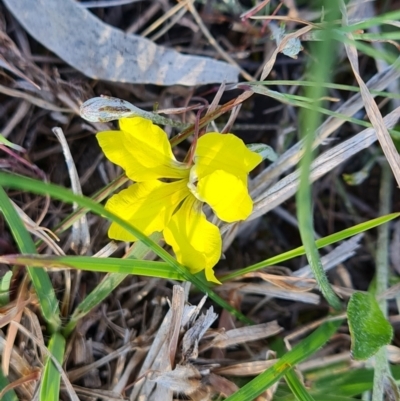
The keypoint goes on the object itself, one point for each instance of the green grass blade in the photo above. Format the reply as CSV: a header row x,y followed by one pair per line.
x,y
299,353
329,85
5,283
343,385
350,383
292,380
297,387
107,285
65,195
305,103
103,265
40,278
366,49
320,243
377,20
308,105
308,124
50,384
378,36
319,397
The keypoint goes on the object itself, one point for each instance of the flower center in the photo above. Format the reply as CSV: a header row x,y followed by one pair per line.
x,y
192,183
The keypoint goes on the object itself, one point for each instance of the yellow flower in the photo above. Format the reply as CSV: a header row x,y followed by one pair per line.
x,y
168,195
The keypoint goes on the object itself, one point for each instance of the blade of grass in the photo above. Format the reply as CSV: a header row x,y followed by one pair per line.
x,y
329,85
377,20
350,383
319,397
146,268
320,243
309,123
50,384
5,283
393,35
293,100
299,353
65,195
292,380
297,387
366,49
40,278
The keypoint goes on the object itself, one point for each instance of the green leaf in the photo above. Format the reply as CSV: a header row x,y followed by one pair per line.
x,y
299,353
6,142
369,329
50,385
265,151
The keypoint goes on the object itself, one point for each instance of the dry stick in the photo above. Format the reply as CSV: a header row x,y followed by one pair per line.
x,y
77,373
12,330
215,44
32,99
178,17
80,231
212,116
44,234
172,11
178,304
371,107
271,62
18,115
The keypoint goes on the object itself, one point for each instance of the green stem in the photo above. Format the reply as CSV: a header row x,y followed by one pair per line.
x,y
310,121
382,370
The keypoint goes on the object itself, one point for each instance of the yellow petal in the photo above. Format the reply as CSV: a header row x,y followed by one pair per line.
x,y
146,205
196,242
223,152
227,195
142,149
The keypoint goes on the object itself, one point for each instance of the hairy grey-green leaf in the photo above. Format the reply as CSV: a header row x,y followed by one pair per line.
x,y
369,329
